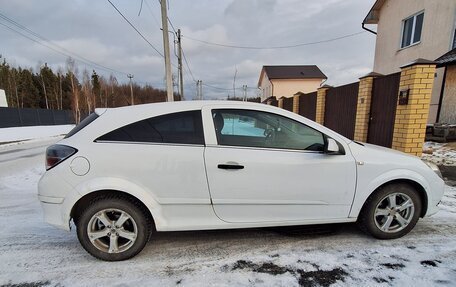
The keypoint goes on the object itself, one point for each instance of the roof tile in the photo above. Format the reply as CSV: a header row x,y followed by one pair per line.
x,y
294,72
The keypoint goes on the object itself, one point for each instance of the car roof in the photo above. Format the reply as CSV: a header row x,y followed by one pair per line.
x,y
179,105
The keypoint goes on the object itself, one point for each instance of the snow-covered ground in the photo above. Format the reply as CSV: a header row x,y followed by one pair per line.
x,y
33,253
35,132
440,153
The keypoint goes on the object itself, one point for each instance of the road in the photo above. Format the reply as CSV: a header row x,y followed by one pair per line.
x,y
33,253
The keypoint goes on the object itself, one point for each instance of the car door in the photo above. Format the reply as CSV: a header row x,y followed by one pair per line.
x,y
265,167
162,154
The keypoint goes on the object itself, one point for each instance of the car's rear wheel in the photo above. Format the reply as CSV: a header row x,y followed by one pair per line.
x,y
113,228
391,212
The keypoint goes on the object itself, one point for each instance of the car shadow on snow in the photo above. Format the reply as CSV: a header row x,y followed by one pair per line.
x,y
245,234
212,245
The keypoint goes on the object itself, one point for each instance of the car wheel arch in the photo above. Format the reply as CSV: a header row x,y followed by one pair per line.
x,y
80,204
414,184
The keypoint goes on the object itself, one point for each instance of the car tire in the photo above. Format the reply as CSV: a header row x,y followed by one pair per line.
x,y
114,228
391,212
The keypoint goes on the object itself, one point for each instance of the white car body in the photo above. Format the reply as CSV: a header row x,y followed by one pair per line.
x,y
183,189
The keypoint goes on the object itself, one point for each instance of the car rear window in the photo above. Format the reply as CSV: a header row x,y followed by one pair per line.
x,y
181,128
82,124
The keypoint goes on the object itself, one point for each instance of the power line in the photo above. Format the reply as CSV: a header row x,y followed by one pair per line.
x,y
204,84
52,46
153,15
273,47
201,83
56,48
137,31
172,26
169,20
217,88
188,66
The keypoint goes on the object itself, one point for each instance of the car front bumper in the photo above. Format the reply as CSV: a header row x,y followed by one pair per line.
x,y
435,197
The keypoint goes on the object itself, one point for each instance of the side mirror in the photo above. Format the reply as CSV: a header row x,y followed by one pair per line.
x,y
332,147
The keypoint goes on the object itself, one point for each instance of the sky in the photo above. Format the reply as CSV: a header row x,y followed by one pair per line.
x,y
97,36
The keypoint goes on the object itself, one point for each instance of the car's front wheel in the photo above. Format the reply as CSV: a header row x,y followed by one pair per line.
x,y
391,212
113,228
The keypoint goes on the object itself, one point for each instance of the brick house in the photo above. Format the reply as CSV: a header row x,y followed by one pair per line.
x,y
410,29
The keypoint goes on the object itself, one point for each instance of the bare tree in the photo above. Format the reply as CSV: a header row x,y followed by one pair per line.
x,y
14,72
72,71
43,84
87,90
60,95
112,83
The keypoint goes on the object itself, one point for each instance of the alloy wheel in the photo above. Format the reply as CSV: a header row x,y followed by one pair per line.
x,y
394,212
112,230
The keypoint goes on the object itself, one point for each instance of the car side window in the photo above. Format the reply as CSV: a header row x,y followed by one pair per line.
x,y
265,130
181,128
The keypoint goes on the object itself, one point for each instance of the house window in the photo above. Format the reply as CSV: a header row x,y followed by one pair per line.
x,y
411,30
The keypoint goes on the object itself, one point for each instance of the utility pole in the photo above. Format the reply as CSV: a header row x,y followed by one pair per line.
x,y
61,93
234,82
201,89
244,88
199,95
169,80
130,76
197,89
179,58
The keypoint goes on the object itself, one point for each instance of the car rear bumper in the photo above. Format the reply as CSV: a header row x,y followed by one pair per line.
x,y
53,211
53,214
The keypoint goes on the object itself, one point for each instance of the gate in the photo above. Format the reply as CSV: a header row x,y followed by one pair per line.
x,y
383,110
272,101
308,105
340,109
287,104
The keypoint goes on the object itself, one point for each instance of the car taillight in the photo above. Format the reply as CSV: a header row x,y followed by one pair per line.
x,y
55,154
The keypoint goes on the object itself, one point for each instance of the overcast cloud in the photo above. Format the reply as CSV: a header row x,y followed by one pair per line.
x,y
94,30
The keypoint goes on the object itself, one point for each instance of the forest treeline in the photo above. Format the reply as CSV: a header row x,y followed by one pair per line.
x,y
68,88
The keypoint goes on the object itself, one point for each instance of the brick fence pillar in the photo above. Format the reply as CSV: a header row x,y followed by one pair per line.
x,y
320,108
280,103
417,79
296,102
364,105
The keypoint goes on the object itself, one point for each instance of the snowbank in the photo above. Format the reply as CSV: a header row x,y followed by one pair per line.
x,y
35,132
439,153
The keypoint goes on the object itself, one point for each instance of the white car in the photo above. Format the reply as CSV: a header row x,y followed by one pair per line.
x,y
125,173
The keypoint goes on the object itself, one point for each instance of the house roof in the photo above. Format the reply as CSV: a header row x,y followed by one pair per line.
x,y
292,72
447,59
373,15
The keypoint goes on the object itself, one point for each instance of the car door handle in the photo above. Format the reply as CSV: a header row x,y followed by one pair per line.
x,y
230,166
